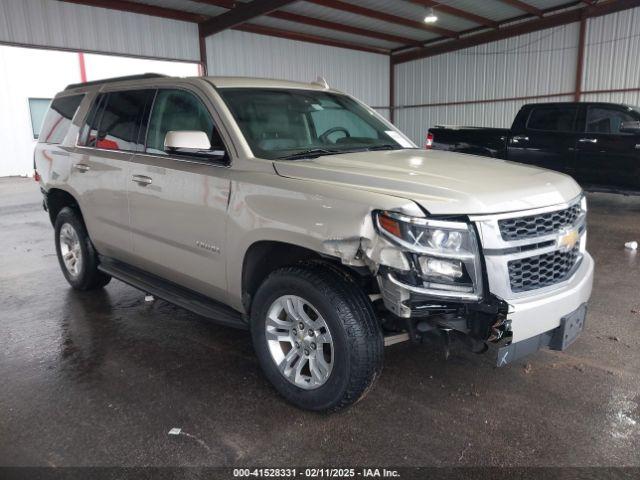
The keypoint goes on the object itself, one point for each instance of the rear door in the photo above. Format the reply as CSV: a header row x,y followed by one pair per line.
x,y
546,137
178,202
607,157
101,164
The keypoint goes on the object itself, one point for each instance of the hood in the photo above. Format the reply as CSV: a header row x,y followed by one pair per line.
x,y
441,182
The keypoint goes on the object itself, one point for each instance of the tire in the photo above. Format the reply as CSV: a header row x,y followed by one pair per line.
x,y
353,350
73,243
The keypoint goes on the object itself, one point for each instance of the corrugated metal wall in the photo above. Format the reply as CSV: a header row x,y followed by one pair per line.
x,y
364,75
50,23
415,122
539,63
612,57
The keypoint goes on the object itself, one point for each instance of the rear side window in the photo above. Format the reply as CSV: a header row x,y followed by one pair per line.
x,y
90,129
114,121
58,119
553,118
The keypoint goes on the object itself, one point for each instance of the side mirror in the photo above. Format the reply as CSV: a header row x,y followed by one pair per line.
x,y
186,140
190,142
630,127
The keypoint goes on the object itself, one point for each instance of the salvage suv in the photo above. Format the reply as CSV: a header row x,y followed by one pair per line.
x,y
300,213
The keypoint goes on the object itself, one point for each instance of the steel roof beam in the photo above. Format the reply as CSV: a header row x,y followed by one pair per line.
x,y
525,7
305,37
548,21
142,8
456,12
145,9
385,17
317,22
242,13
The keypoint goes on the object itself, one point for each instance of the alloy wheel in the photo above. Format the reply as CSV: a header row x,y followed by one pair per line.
x,y
70,249
300,342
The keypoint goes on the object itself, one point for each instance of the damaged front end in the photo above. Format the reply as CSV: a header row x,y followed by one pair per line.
x,y
431,279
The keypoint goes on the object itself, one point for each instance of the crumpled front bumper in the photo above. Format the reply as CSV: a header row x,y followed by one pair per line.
x,y
536,321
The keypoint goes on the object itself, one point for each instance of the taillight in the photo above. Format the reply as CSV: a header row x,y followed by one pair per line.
x,y
429,143
36,176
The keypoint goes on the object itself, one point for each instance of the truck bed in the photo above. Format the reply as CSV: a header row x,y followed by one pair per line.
x,y
489,142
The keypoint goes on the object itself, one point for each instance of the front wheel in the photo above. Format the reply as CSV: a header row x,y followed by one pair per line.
x,y
316,337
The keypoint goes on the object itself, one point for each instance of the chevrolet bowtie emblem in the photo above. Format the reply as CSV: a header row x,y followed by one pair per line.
x,y
568,238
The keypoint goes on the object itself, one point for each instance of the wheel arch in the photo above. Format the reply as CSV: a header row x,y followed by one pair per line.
x,y
265,256
57,199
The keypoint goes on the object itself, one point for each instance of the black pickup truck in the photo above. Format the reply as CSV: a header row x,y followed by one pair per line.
x,y
598,144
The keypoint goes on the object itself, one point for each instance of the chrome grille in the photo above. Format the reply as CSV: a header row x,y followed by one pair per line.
x,y
538,225
542,270
523,250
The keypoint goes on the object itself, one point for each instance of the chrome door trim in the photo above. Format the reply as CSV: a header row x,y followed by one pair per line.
x,y
141,180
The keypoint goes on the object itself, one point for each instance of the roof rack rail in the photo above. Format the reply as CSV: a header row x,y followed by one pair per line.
x,y
116,79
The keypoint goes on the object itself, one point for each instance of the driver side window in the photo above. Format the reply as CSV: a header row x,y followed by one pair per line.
x,y
342,121
179,110
606,120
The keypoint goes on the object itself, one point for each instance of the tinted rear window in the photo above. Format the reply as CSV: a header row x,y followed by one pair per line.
x,y
553,118
58,119
114,121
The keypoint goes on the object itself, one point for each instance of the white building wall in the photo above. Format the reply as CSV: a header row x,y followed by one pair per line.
x,y
33,73
22,72
364,75
54,24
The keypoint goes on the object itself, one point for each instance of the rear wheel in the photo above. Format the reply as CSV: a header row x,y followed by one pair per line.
x,y
316,337
76,255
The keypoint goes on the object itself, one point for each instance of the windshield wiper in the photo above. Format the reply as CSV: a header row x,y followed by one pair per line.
x,y
318,152
310,153
386,146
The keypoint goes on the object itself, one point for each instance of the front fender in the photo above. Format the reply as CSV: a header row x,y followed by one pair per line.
x,y
327,219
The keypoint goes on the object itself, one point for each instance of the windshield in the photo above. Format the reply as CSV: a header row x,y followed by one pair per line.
x,y
290,124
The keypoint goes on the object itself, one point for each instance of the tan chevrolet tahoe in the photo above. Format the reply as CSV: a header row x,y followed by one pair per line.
x,y
301,214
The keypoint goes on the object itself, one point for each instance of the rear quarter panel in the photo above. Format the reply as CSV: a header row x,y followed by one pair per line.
x,y
54,162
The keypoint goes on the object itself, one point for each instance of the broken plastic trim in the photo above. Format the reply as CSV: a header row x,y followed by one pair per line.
x,y
450,295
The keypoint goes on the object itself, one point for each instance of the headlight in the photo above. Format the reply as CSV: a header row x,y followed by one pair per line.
x,y
446,252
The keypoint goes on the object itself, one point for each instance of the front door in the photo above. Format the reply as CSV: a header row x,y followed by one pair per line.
x,y
607,157
547,138
178,202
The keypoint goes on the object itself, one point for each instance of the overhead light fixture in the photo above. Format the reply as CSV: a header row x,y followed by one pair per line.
x,y
431,16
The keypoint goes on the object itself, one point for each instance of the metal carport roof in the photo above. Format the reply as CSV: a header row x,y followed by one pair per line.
x,y
394,28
